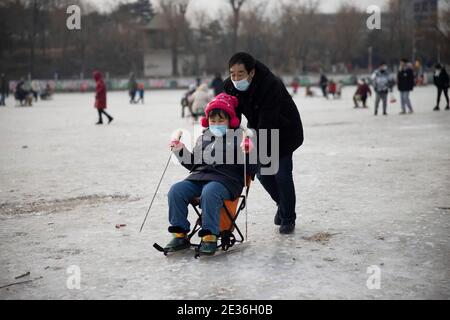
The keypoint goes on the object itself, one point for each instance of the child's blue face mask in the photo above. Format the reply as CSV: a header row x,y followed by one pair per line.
x,y
218,130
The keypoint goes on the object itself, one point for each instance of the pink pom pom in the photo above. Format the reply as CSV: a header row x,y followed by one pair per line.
x,y
204,122
234,123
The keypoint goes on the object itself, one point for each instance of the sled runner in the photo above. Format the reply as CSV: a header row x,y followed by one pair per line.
x,y
230,234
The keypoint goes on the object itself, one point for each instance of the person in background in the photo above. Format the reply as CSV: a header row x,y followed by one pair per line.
x,y
332,88
141,92
295,85
132,88
100,97
405,83
199,100
47,93
35,89
383,83
323,84
185,100
309,92
441,81
23,93
217,84
4,89
361,94
339,86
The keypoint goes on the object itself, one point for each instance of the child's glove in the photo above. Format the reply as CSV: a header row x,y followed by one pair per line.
x,y
247,145
176,145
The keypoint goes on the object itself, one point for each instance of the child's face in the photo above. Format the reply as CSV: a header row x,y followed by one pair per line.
x,y
218,121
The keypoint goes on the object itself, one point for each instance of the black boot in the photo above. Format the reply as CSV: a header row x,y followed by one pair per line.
x,y
436,108
110,120
287,228
99,122
277,219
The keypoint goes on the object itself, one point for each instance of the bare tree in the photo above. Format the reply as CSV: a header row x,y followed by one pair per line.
x,y
300,30
174,13
236,6
348,29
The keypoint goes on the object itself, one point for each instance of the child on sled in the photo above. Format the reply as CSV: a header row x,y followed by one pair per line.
x,y
213,181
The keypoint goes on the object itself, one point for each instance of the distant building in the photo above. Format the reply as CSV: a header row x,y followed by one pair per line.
x,y
423,13
158,56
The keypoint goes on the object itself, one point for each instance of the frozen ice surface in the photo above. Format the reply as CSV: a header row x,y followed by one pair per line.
x,y
370,191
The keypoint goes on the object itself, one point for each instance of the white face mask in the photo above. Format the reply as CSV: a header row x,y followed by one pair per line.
x,y
241,85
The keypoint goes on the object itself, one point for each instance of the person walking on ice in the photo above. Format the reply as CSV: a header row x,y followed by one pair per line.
x,y
405,83
383,83
100,98
441,81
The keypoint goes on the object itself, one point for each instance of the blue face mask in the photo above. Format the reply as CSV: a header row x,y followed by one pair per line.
x,y
218,131
241,85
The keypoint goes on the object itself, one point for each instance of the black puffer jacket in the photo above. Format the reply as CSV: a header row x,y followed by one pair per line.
x,y
405,80
268,105
230,175
442,80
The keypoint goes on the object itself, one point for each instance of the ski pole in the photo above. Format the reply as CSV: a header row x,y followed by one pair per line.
x,y
179,134
245,135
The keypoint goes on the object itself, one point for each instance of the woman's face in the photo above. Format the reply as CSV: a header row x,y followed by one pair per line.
x,y
238,73
218,121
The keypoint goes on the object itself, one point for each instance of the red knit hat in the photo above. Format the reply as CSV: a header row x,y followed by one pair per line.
x,y
226,103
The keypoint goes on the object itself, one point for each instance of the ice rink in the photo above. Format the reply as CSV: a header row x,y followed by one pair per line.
x,y
373,205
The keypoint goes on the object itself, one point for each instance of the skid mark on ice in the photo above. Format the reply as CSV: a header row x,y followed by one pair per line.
x,y
58,205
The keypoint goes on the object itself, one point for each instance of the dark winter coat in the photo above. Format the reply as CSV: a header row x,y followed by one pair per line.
x,y
4,86
268,105
323,81
100,91
230,175
217,85
405,80
442,80
364,90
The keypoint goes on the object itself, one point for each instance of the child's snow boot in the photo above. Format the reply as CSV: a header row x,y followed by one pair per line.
x,y
179,242
208,245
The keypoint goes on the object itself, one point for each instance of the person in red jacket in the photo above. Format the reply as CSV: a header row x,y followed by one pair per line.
x,y
100,97
362,93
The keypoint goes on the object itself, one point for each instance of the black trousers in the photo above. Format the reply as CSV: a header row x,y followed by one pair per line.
x,y
100,112
445,91
282,190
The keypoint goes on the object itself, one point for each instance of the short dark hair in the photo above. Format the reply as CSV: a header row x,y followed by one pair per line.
x,y
404,60
218,113
243,58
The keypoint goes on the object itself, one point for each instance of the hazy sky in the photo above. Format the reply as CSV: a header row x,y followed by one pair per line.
x,y
214,5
